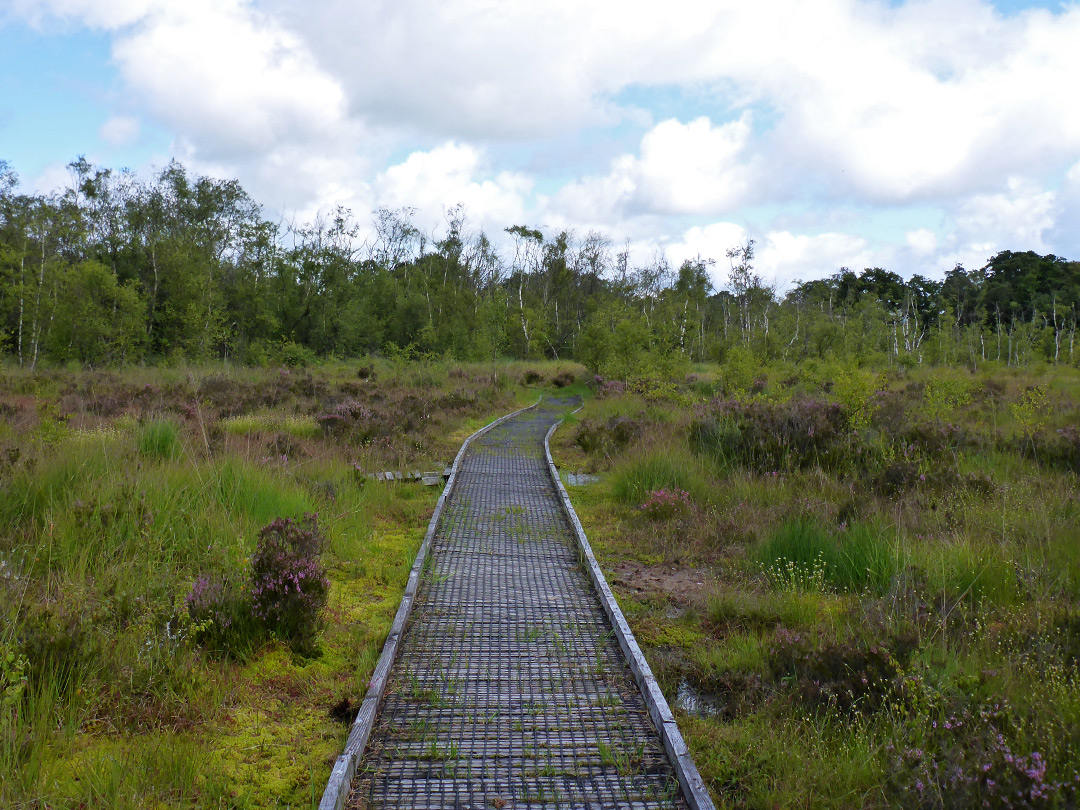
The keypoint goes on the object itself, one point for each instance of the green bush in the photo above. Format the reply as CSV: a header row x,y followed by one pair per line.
x,y
769,436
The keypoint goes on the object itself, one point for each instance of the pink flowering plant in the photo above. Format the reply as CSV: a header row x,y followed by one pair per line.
x,y
662,504
285,593
289,587
964,759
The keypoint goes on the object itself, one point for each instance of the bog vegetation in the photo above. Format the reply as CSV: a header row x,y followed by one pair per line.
x,y
859,588
196,578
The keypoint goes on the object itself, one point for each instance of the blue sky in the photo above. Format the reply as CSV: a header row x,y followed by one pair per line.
x,y
840,133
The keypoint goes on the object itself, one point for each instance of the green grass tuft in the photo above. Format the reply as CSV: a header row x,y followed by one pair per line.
x,y
804,552
664,467
159,439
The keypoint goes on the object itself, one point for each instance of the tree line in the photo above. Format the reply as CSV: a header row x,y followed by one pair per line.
x,y
115,269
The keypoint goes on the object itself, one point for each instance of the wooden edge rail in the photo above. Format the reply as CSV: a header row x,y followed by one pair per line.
x,y
340,781
693,786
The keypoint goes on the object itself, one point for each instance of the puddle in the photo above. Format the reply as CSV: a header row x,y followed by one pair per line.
x,y
699,704
581,479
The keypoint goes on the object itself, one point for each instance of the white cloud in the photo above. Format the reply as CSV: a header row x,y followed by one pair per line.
x,y
120,130
922,241
1064,236
946,102
708,242
692,168
879,102
229,78
1015,219
95,13
783,256
780,257
438,179
695,168
54,177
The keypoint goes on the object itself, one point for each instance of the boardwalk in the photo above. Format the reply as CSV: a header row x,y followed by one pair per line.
x,y
510,689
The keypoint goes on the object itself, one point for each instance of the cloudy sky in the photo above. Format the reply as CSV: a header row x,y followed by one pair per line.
x,y
908,135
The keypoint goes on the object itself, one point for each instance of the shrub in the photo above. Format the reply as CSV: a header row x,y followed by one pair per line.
x,y
221,618
343,416
963,759
945,394
295,355
289,586
562,379
1031,410
60,638
1061,450
663,504
851,676
740,371
767,436
159,439
855,389
616,434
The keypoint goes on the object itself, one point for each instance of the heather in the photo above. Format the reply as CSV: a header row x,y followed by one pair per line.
x,y
194,570
857,582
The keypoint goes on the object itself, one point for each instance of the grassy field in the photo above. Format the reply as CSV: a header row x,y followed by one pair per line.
x,y
857,589
133,672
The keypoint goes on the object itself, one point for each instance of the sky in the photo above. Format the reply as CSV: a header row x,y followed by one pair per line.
x,y
835,133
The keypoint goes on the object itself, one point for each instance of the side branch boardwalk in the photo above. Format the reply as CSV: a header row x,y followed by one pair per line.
x,y
510,688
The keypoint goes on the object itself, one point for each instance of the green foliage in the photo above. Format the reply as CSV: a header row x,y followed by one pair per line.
x,y
917,617
98,320
1031,410
945,394
159,439
294,355
803,554
100,550
183,268
667,467
770,436
855,388
302,427
739,371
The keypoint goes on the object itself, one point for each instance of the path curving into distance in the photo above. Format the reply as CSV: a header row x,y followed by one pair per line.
x,y
511,684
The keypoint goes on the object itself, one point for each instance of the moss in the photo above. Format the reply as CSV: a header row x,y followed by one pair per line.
x,y
661,634
277,753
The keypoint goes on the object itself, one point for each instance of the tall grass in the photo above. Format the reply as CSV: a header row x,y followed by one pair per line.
x,y
803,550
159,440
670,466
302,427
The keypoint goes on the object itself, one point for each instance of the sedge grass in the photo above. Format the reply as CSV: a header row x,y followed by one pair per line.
x,y
803,554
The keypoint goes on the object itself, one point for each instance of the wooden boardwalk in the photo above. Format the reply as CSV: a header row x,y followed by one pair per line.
x,y
510,687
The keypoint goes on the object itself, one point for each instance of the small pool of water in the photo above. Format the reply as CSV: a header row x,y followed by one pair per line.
x,y
581,479
697,703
